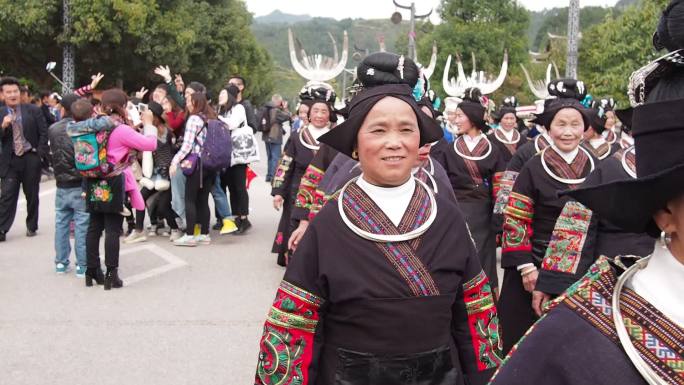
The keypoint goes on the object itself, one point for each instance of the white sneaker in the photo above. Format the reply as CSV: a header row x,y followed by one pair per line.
x,y
175,234
203,239
185,240
135,237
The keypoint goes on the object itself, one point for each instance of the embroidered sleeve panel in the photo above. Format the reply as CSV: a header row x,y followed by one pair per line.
x,y
517,226
506,182
483,322
496,184
319,201
306,194
286,348
659,341
284,167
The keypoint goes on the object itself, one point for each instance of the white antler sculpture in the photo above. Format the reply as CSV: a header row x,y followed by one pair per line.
x,y
487,85
318,67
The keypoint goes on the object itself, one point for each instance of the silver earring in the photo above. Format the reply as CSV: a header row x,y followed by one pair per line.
x,y
665,239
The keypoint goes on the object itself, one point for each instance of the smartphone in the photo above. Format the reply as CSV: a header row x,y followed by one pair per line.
x,y
142,107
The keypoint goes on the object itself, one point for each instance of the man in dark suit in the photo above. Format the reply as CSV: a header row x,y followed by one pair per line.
x,y
24,139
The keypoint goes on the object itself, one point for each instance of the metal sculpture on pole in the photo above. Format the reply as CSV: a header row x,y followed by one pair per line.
x,y
573,39
412,26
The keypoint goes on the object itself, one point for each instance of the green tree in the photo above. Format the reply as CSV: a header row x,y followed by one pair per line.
x,y
612,50
206,41
485,28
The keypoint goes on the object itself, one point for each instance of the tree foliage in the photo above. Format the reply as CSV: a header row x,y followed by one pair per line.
x,y
205,41
612,50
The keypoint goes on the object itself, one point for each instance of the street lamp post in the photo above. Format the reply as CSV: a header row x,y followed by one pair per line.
x,y
412,26
68,66
573,39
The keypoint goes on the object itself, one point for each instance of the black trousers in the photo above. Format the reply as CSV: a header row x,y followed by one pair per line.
x,y
111,225
23,171
197,189
515,309
161,208
235,177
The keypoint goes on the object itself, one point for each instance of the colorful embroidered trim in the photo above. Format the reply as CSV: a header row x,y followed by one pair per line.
x,y
567,239
505,187
365,214
283,167
483,322
575,170
517,226
286,348
307,187
660,341
496,184
471,165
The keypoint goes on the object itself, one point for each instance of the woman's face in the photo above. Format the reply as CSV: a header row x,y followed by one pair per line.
x,y
188,104
223,98
451,117
462,122
303,113
508,121
188,93
671,221
319,115
567,129
166,104
388,142
610,119
424,153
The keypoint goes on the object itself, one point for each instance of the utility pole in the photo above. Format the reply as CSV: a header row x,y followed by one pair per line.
x,y
68,66
573,39
412,27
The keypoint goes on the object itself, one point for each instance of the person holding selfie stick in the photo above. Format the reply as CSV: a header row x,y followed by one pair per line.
x,y
24,137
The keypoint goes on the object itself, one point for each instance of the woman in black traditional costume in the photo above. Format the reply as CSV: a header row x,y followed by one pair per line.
x,y
506,137
534,206
385,286
594,140
299,151
474,166
623,322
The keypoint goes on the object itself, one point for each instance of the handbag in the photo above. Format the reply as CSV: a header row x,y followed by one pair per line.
x,y
106,195
189,164
245,146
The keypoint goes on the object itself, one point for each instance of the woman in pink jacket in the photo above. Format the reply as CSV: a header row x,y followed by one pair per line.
x,y
105,197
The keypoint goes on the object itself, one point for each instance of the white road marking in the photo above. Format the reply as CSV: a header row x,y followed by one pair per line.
x,y
172,262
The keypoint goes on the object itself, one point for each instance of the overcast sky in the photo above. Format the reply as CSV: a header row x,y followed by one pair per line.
x,y
376,9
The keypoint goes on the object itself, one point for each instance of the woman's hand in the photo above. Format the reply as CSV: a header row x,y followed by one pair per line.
x,y
278,202
173,169
147,117
141,94
95,80
529,278
164,72
297,235
538,300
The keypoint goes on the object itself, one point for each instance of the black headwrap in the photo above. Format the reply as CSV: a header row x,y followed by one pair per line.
x,y
383,75
597,119
568,93
472,106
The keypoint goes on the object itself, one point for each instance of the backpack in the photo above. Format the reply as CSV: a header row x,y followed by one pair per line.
x,y
265,119
217,147
90,155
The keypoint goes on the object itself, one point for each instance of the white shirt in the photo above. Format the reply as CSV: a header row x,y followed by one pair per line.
x,y
508,134
393,201
471,142
627,138
235,117
661,283
318,132
597,142
568,157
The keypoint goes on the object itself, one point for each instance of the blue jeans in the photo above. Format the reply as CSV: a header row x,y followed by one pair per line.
x,y
220,199
178,193
273,151
69,205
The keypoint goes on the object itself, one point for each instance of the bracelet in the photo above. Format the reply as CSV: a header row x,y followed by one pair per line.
x,y
528,271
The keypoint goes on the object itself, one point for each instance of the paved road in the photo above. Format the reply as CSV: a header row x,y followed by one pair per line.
x,y
185,316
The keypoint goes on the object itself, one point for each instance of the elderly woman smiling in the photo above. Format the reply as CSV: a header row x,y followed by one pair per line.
x,y
385,286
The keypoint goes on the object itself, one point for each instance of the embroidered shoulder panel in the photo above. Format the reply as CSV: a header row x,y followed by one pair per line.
x,y
660,341
365,214
567,239
286,348
283,167
517,227
483,322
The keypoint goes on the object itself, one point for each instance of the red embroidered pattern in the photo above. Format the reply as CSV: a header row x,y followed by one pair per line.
x,y
517,227
483,322
365,214
567,239
506,183
496,184
283,166
306,195
287,341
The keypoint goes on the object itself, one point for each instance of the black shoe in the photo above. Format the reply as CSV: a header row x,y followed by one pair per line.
x,y
31,233
94,273
3,236
243,225
112,280
217,226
